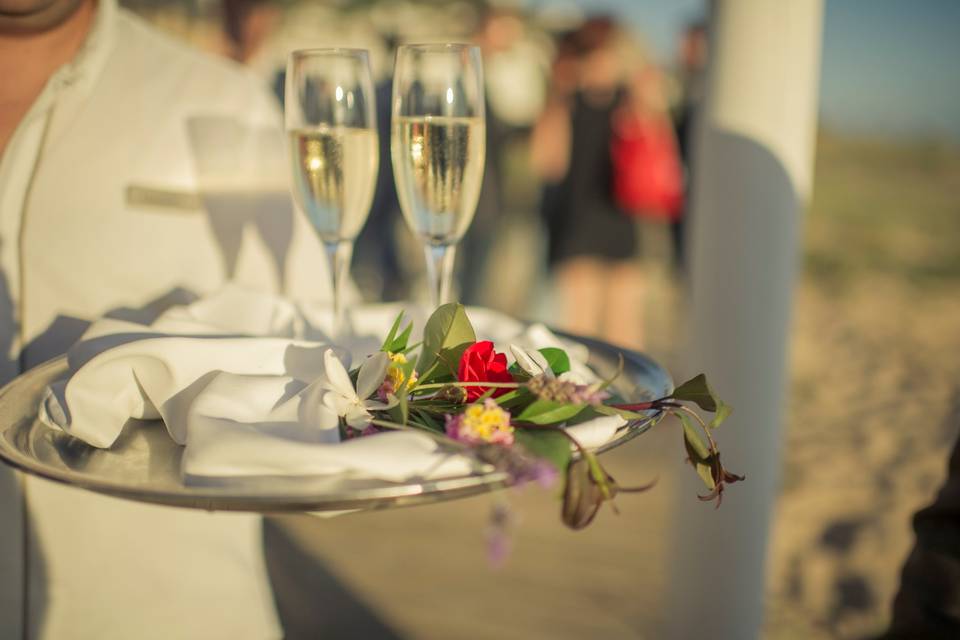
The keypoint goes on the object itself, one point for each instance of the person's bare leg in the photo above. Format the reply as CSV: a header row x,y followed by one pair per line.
x,y
624,303
580,286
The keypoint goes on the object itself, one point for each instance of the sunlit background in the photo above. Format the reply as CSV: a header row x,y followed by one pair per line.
x,y
874,404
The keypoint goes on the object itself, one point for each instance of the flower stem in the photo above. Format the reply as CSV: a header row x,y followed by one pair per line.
x,y
703,426
439,437
639,406
496,385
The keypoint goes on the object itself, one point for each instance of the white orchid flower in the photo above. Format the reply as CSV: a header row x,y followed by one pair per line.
x,y
354,405
534,363
531,361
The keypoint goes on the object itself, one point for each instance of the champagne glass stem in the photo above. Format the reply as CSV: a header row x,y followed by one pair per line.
x,y
338,261
440,259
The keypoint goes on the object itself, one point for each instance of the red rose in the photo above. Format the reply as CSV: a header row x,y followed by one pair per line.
x,y
480,363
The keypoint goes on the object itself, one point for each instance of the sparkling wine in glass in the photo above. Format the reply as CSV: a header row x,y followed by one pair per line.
x,y
332,129
438,145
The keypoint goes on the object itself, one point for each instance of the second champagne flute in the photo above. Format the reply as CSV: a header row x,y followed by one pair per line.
x,y
331,122
438,145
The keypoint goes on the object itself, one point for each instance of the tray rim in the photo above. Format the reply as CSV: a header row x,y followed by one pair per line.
x,y
213,498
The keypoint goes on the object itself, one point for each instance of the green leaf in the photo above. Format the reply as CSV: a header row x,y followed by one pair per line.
x,y
705,471
549,412
607,410
432,374
588,413
392,334
394,343
697,390
486,394
558,359
702,467
692,436
396,415
428,421
400,344
518,374
697,451
581,497
404,401
552,446
407,370
514,398
447,334
723,412
599,475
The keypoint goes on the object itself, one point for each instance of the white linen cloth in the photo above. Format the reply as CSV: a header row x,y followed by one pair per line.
x,y
248,406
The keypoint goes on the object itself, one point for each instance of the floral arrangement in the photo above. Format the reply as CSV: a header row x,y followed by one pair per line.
x,y
462,392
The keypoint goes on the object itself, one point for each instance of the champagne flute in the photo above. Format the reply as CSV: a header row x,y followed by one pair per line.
x,y
332,128
438,145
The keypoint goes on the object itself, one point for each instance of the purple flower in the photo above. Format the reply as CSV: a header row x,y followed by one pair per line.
x,y
499,543
558,390
520,466
533,470
544,474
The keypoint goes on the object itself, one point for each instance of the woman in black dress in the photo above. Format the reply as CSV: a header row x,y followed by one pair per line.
x,y
592,242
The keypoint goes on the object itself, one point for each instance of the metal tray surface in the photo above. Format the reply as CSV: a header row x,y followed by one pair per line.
x,y
144,464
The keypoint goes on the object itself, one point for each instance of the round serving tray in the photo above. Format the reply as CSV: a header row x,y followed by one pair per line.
x,y
144,463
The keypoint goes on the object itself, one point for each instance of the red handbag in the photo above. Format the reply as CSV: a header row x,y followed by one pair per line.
x,y
647,174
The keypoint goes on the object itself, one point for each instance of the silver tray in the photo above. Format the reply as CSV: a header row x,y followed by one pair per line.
x,y
144,463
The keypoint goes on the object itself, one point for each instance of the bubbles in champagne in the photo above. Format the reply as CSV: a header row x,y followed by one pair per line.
x,y
334,173
438,168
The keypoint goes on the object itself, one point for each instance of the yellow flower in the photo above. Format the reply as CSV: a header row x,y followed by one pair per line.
x,y
479,423
395,375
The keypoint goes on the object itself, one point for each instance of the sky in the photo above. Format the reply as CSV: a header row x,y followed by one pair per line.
x,y
889,67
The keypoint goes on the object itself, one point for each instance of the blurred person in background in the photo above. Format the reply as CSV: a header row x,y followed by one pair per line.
x,y
247,24
380,273
497,31
95,108
592,241
927,604
691,74
516,61
647,173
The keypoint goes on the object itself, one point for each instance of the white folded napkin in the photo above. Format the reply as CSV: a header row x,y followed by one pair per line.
x,y
233,380
159,377
236,429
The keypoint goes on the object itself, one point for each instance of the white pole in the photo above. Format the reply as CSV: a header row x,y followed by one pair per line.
x,y
752,176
